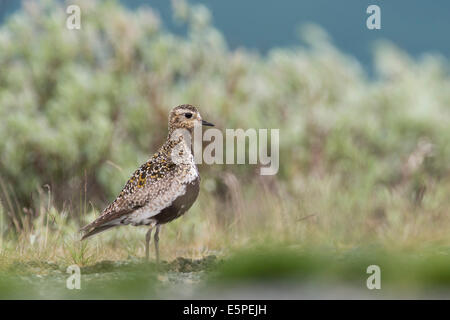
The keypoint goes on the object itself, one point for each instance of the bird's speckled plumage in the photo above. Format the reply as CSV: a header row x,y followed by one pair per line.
x,y
163,188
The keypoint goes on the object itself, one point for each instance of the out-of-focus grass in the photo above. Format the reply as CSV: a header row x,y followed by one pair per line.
x,y
403,274
105,280
415,270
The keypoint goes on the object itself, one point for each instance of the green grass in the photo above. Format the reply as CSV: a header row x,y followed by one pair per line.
x,y
399,268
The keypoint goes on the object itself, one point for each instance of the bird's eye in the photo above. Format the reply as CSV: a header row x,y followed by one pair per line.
x,y
188,115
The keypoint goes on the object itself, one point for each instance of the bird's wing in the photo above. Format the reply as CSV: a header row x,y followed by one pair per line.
x,y
140,190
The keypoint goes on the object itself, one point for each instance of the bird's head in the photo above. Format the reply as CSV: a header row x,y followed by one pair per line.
x,y
186,116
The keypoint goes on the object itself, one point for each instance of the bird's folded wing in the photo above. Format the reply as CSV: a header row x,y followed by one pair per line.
x,y
140,190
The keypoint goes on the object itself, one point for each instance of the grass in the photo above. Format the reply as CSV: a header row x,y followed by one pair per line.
x,y
410,274
322,237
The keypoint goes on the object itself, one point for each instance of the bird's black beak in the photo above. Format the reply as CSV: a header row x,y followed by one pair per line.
x,y
206,123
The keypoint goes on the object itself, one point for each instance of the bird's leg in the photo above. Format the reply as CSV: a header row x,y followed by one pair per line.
x,y
148,237
156,239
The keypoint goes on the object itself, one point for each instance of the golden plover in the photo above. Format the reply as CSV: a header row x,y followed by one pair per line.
x,y
163,188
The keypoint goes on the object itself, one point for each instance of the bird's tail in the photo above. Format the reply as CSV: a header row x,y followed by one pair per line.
x,y
90,230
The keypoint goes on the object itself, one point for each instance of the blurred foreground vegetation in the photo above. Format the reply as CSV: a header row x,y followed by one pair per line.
x,y
362,161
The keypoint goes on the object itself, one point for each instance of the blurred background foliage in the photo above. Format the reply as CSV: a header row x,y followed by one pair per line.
x,y
360,157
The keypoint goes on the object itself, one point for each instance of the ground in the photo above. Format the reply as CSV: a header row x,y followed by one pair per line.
x,y
272,274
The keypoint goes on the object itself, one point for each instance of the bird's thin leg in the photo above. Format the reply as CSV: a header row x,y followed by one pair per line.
x,y
148,237
156,239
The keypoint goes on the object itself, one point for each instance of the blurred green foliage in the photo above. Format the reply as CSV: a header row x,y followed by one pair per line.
x,y
269,271
426,270
81,109
362,161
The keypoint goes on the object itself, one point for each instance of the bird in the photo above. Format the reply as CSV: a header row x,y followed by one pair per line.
x,y
163,188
